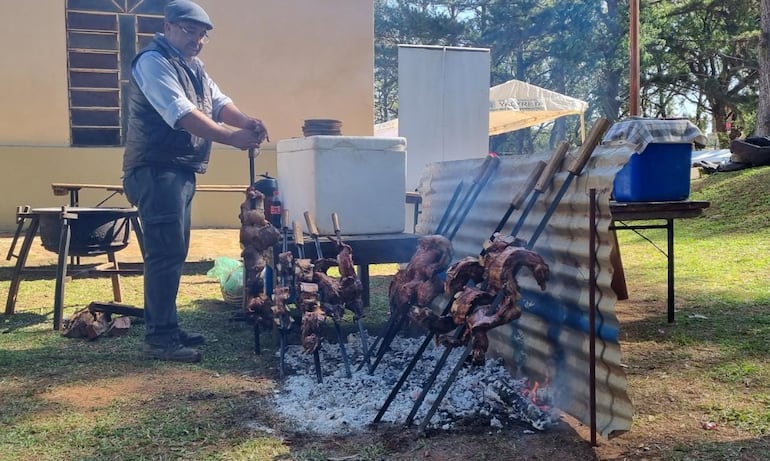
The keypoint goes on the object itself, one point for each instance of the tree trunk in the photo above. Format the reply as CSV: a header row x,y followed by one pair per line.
x,y
763,108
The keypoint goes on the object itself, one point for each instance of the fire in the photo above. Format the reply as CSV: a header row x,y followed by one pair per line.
x,y
538,393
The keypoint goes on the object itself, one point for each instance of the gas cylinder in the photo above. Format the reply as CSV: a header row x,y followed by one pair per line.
x,y
268,185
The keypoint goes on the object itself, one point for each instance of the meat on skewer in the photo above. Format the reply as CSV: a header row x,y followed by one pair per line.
x,y
253,215
329,290
481,309
281,296
257,237
419,283
351,288
313,316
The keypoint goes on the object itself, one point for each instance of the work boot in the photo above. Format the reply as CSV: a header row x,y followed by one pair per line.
x,y
191,339
173,353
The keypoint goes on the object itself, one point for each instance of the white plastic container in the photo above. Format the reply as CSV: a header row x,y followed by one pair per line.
x,y
362,179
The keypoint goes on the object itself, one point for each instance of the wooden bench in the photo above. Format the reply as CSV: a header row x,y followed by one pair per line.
x,y
73,189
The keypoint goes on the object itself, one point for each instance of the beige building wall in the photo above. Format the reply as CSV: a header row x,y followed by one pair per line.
x,y
281,60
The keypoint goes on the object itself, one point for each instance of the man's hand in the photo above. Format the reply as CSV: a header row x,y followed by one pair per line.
x,y
259,128
245,139
251,134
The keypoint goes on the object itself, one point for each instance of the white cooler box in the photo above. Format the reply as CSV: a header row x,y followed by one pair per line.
x,y
362,179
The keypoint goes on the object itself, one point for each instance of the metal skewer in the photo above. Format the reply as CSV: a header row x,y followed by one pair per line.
x,y
299,242
284,320
491,163
543,183
313,229
359,321
441,228
252,204
575,169
487,169
516,202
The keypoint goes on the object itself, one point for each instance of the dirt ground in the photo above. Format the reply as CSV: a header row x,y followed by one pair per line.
x,y
665,418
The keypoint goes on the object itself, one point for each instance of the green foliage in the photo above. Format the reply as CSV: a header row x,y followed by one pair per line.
x,y
698,58
739,201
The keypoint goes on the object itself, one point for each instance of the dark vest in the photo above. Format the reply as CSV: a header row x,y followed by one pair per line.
x,y
149,139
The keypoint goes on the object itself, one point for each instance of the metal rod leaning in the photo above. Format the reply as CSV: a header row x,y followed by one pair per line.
x,y
253,152
491,162
395,325
592,232
444,389
441,228
575,169
543,183
252,205
475,184
488,169
337,228
516,202
521,195
389,329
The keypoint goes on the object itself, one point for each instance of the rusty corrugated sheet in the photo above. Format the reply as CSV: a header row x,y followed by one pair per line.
x,y
550,342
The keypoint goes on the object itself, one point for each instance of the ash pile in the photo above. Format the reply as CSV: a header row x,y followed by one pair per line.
x,y
480,396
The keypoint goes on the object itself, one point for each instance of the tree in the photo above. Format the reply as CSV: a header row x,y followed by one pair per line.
x,y
763,106
700,56
704,53
409,22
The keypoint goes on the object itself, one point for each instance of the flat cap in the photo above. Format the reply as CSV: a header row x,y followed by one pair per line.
x,y
185,10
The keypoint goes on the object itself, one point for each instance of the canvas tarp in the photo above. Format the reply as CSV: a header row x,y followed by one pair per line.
x,y
514,105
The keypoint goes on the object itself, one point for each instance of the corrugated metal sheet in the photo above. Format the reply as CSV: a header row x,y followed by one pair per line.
x,y
550,342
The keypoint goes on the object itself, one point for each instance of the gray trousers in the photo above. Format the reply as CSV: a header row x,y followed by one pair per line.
x,y
163,197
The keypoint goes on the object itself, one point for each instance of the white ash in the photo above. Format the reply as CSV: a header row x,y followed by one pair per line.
x,y
342,405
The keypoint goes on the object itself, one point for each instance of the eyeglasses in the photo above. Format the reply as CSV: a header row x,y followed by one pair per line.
x,y
192,35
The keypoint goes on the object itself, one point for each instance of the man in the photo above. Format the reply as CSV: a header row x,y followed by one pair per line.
x,y
175,112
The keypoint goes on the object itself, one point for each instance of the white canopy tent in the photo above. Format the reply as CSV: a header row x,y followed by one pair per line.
x,y
514,105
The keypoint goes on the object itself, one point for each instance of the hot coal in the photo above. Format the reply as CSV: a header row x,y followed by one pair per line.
x,y
484,394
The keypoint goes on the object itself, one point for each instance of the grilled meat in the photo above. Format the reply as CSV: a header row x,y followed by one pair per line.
x,y
351,292
501,267
418,283
428,320
312,322
493,302
280,298
260,237
313,316
463,271
303,270
465,300
253,208
323,265
345,260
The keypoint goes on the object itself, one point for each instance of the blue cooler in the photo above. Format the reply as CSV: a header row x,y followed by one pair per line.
x,y
660,173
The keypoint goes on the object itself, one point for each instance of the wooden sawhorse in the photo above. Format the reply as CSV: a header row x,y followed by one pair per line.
x,y
65,215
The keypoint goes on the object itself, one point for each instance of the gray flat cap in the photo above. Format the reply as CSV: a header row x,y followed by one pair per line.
x,y
185,10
